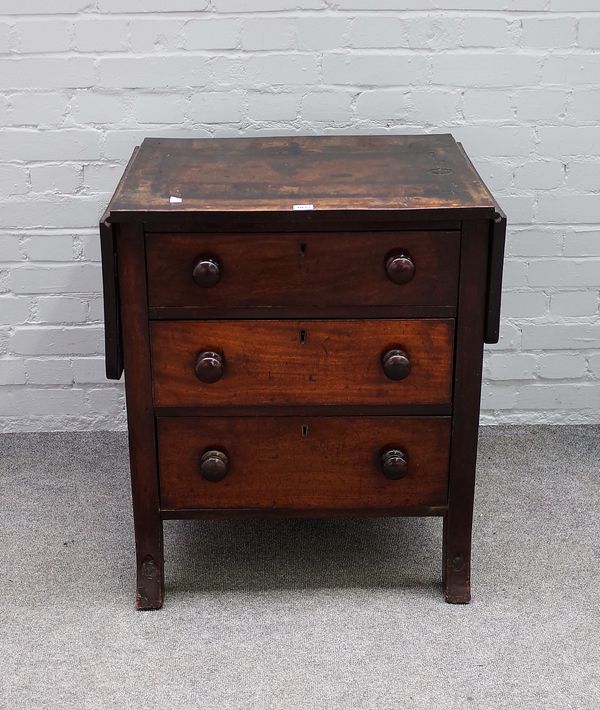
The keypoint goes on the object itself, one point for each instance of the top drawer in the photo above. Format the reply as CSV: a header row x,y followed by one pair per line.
x,y
303,269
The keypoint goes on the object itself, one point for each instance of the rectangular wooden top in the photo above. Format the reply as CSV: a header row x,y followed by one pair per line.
x,y
285,174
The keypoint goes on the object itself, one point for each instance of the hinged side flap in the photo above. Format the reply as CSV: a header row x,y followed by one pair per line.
x,y
112,318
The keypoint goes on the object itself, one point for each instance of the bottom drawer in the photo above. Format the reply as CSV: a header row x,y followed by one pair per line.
x,y
303,462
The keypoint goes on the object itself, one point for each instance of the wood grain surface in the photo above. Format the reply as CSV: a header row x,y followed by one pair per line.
x,y
301,362
327,172
303,463
311,270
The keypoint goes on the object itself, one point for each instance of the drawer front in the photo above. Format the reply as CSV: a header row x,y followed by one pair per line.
x,y
294,462
307,362
306,270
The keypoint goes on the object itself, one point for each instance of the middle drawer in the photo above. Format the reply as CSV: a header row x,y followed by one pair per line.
x,y
301,362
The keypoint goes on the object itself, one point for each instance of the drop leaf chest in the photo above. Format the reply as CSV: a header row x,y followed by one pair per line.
x,y
301,324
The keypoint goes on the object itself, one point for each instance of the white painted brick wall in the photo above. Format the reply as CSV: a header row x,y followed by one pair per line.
x,y
83,81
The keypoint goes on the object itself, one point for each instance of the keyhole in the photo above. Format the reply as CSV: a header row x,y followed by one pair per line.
x,y
304,431
302,249
302,336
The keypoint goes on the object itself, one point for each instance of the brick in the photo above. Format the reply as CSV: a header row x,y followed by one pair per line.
x,y
498,397
9,248
582,243
594,364
483,105
47,35
360,70
156,35
273,107
41,7
585,105
93,107
43,402
102,177
164,108
327,106
267,33
562,366
524,304
569,140
574,303
433,32
491,70
152,6
314,33
535,242
90,244
89,370
46,73
49,371
212,34
4,38
383,104
550,32
49,248
25,109
58,178
564,272
588,34
540,175
266,5
567,208
486,32
583,175
13,180
571,69
281,69
434,106
100,34
12,371
60,309
14,309
60,211
51,340
543,104
559,396
486,141
169,71
108,400
65,144
511,366
378,32
95,309
70,278
217,107
561,336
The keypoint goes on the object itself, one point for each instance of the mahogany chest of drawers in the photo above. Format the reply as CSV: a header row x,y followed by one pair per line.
x,y
301,323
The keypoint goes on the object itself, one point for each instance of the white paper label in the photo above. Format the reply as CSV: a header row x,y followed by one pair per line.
x,y
174,199
304,207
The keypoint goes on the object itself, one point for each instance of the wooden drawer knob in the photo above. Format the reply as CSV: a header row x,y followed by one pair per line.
x,y
207,272
209,366
213,465
394,464
400,267
396,364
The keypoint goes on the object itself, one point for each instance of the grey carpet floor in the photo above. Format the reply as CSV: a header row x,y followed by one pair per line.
x,y
301,614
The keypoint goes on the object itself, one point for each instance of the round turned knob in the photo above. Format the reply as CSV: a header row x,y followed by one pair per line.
x,y
207,272
209,367
400,268
394,464
396,364
213,465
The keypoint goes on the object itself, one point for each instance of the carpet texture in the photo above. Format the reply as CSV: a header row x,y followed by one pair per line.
x,y
301,614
